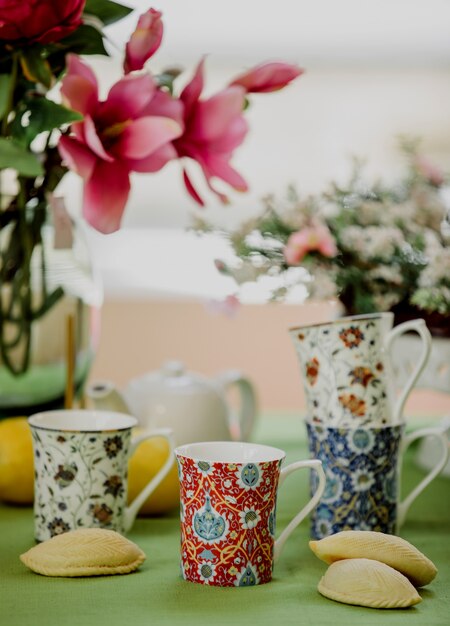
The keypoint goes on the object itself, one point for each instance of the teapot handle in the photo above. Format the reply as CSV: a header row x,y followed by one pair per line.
x,y
240,423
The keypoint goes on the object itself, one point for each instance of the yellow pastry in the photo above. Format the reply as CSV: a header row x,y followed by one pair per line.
x,y
84,552
389,549
367,583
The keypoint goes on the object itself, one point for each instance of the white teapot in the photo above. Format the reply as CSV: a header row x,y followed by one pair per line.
x,y
196,408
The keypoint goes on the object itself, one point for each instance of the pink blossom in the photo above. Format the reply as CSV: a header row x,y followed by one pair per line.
x,y
214,128
144,42
309,239
130,131
430,171
268,77
228,307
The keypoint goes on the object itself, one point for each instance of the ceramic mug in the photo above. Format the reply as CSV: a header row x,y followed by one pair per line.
x,y
362,467
347,370
81,462
228,494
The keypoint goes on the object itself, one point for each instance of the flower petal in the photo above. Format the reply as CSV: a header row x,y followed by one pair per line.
x,y
105,196
79,87
192,92
77,156
93,140
127,98
145,135
155,161
191,189
218,166
268,77
214,116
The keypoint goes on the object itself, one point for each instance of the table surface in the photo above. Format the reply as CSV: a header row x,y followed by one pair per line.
x,y
156,594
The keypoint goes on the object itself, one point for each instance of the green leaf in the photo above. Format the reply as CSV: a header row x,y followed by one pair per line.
x,y
35,68
85,40
13,155
106,11
4,93
46,115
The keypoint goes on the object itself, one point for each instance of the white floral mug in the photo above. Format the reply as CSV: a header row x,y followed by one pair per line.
x,y
347,369
81,462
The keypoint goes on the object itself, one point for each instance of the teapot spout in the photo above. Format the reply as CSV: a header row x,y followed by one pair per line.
x,y
106,397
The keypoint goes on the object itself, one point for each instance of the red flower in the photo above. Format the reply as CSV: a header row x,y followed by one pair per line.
x,y
351,337
312,371
268,77
41,21
354,404
144,42
361,375
214,128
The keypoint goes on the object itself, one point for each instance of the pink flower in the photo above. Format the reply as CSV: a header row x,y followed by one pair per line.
x,y
144,42
228,307
309,239
430,171
130,131
268,77
214,128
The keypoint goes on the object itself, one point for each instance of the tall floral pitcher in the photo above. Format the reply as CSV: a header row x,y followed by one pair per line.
x,y
347,372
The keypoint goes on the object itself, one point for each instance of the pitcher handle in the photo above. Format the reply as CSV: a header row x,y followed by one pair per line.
x,y
442,436
315,465
132,509
241,424
421,328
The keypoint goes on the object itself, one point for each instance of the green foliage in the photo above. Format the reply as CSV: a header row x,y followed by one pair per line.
x,y
5,80
13,155
38,114
106,11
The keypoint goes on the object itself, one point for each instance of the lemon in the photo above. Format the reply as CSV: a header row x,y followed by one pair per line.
x,y
147,460
16,461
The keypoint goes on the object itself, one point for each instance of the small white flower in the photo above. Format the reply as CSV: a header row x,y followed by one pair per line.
x,y
249,517
362,480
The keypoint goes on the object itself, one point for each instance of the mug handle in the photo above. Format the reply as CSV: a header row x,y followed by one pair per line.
x,y
421,328
441,435
315,465
240,425
132,509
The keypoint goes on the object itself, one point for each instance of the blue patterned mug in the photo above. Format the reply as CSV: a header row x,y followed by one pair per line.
x,y
362,467
81,462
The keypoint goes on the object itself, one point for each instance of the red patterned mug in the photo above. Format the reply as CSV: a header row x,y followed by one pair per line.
x,y
228,494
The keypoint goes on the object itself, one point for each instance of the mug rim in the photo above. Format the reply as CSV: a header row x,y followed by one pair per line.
x,y
347,318
58,421
355,428
228,452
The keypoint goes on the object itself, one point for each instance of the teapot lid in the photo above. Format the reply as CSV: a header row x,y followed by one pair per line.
x,y
173,369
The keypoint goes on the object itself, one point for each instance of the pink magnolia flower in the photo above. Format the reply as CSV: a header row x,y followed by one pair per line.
x,y
309,239
144,42
268,77
130,131
214,128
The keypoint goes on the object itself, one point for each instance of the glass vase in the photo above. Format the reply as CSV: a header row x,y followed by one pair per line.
x,y
50,310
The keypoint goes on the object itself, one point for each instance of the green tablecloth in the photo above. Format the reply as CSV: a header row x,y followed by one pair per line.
x,y
157,595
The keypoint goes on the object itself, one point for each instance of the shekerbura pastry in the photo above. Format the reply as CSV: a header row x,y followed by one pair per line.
x,y
84,552
389,549
367,583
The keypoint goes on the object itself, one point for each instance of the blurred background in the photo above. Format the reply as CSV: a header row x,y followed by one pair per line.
x,y
374,71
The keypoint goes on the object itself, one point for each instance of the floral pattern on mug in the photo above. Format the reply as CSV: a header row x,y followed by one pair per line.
x,y
81,480
345,377
227,521
362,470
